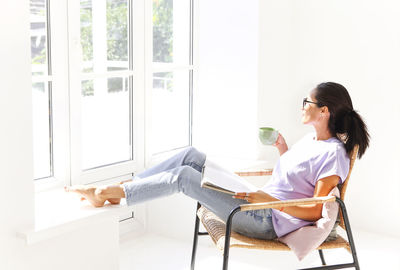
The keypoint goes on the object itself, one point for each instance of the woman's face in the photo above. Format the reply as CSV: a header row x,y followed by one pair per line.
x,y
311,112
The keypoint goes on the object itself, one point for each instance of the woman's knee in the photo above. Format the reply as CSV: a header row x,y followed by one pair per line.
x,y
187,176
194,158
187,172
191,151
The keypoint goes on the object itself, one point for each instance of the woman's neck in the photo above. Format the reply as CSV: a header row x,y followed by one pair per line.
x,y
322,134
319,137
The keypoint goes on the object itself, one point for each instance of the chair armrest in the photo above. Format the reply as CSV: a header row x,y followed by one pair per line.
x,y
279,204
261,172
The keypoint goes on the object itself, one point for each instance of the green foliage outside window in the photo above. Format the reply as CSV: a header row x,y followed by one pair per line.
x,y
163,31
117,37
117,27
86,32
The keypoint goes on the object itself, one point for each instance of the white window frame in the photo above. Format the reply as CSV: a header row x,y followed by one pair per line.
x,y
152,158
65,48
78,175
59,121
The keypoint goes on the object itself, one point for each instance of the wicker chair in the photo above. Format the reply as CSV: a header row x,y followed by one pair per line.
x,y
224,238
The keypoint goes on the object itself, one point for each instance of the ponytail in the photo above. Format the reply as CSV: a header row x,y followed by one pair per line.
x,y
344,123
352,130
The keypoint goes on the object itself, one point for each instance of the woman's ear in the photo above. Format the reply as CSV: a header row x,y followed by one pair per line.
x,y
325,111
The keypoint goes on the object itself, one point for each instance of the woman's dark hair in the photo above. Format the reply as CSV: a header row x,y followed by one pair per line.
x,y
344,123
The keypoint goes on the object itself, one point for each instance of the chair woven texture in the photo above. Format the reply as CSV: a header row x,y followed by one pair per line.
x,y
216,229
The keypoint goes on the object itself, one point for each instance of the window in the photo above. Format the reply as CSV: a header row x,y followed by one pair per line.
x,y
106,136
172,74
102,99
41,89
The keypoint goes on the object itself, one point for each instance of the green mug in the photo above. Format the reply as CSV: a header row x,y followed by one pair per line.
x,y
268,135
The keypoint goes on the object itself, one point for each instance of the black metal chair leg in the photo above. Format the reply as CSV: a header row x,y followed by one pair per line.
x,y
321,255
349,233
195,238
228,237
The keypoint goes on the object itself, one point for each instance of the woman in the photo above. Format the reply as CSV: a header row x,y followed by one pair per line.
x,y
312,167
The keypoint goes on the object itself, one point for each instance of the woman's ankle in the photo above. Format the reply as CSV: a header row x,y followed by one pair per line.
x,y
109,192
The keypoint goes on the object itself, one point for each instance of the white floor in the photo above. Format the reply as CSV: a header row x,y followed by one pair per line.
x,y
151,252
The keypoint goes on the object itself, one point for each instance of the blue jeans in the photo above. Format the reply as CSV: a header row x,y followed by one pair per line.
x,y
182,173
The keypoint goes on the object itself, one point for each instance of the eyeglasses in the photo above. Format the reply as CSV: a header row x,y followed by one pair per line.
x,y
307,101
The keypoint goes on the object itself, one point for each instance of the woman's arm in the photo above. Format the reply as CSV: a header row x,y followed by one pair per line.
x,y
314,212
311,212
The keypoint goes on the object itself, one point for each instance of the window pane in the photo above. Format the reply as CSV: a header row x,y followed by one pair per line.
x,y
170,111
41,130
106,136
106,48
117,34
171,31
38,37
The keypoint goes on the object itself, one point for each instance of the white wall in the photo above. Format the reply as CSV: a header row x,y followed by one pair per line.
x,y
355,43
225,115
16,168
276,102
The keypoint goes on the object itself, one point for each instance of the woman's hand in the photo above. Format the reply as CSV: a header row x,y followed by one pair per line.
x,y
255,197
281,144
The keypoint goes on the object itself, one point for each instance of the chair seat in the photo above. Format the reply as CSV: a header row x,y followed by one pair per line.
x,y
216,229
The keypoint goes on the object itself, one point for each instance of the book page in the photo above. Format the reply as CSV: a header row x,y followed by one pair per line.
x,y
215,176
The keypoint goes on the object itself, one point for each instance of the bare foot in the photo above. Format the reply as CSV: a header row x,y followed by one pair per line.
x,y
114,201
87,192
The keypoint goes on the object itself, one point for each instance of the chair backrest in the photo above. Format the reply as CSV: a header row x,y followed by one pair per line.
x,y
343,187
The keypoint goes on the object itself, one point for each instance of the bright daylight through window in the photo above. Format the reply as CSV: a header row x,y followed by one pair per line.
x,y
115,94
172,75
105,103
41,90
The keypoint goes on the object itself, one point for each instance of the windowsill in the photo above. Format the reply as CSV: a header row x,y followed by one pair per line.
x,y
58,212
48,184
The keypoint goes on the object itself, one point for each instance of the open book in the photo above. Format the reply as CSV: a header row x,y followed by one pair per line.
x,y
217,178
